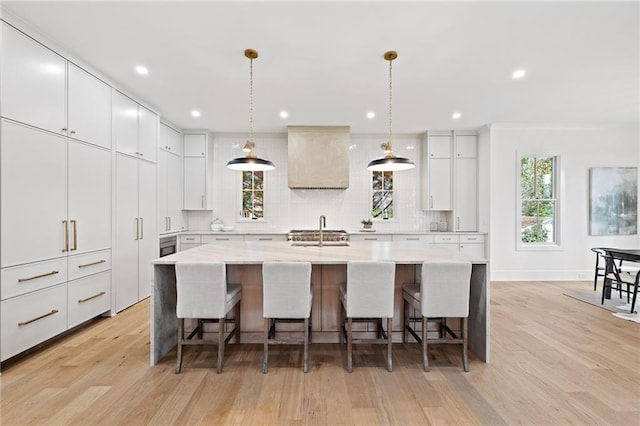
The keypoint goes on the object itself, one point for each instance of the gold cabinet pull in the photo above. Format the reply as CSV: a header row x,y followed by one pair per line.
x,y
92,263
66,236
21,280
137,227
102,293
142,228
75,234
53,312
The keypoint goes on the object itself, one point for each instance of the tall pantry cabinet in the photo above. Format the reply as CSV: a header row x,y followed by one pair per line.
x,y
135,135
55,194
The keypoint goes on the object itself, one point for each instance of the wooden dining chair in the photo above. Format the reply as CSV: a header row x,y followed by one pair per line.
x,y
614,276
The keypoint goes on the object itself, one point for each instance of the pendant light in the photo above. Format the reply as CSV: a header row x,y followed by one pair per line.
x,y
250,162
390,162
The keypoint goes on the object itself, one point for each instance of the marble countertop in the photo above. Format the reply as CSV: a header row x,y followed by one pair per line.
x,y
257,252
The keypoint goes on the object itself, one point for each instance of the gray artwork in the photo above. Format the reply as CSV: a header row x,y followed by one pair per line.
x,y
613,201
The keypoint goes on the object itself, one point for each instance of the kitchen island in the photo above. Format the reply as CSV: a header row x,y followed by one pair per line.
x,y
244,265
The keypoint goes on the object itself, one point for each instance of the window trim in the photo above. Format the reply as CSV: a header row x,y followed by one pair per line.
x,y
240,198
558,245
394,204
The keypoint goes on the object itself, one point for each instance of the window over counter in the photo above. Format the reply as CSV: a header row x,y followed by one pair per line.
x,y
252,195
382,195
538,202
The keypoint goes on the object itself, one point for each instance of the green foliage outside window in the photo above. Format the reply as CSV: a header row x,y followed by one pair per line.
x,y
253,194
382,197
537,186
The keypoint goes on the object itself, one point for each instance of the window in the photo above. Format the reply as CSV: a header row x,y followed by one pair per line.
x,y
382,195
538,221
253,195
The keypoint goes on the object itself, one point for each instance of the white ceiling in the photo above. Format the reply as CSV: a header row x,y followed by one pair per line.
x,y
322,61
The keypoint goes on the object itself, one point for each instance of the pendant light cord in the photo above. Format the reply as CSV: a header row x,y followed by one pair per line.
x,y
251,99
390,98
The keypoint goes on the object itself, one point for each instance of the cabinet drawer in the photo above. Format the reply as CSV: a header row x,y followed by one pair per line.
x,y
191,239
206,239
361,237
265,238
422,238
472,238
89,263
446,239
33,318
88,297
23,279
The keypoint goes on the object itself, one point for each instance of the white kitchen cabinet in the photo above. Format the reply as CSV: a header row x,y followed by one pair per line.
x,y
89,108
170,140
88,297
447,241
436,175
370,237
89,192
265,237
465,183
33,195
195,145
198,172
473,245
135,128
32,318
136,238
148,123
170,185
427,239
33,83
221,238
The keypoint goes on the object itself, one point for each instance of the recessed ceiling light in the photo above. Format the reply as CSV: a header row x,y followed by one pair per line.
x,y
456,115
195,113
371,115
518,74
284,114
142,70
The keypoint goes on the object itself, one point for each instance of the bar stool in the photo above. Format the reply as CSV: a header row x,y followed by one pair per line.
x,y
367,296
286,297
203,294
442,293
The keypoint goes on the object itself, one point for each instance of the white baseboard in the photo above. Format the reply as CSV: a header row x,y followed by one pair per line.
x,y
542,275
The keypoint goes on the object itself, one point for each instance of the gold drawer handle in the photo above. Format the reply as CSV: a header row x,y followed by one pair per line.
x,y
92,263
53,311
21,280
102,293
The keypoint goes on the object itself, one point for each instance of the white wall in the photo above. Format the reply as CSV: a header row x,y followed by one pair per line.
x,y
294,209
580,149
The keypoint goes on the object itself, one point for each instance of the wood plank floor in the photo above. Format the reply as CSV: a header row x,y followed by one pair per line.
x,y
555,360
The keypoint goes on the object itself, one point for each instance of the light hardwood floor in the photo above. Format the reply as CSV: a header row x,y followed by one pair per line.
x,y
555,360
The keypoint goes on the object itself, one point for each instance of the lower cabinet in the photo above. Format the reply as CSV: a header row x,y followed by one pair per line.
x,y
39,303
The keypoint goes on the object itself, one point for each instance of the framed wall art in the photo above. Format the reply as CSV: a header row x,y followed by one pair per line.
x,y
613,200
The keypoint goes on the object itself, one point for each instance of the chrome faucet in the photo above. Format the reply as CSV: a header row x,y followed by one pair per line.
x,y
323,223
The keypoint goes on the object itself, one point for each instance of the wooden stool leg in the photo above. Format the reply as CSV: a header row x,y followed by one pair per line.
x,y
237,324
425,358
180,337
220,344
349,344
389,343
265,359
405,332
305,366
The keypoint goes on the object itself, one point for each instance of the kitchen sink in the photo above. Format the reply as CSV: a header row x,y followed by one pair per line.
x,y
317,244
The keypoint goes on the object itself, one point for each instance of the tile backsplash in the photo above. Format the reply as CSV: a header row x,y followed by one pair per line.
x,y
300,208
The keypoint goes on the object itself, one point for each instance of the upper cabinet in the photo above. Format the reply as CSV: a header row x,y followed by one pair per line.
x,y
89,113
436,171
135,128
465,182
44,90
170,140
198,171
33,83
